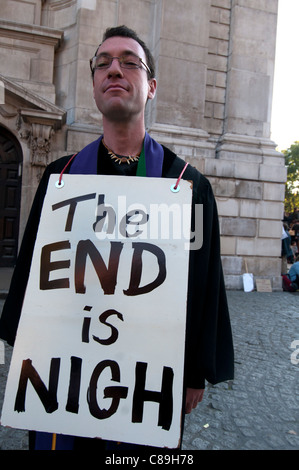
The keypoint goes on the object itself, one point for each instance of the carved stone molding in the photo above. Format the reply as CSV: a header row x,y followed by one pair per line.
x,y
40,144
39,128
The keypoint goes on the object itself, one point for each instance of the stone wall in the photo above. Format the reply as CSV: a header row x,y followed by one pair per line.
x,y
215,67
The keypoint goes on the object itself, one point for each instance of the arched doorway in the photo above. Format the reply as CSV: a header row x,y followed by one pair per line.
x,y
10,196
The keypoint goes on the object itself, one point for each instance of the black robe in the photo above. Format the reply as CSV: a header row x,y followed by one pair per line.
x,y
209,347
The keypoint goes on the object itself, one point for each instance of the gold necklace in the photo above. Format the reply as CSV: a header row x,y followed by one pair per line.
x,y
121,159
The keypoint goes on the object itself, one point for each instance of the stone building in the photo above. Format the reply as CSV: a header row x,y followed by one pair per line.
x,y
215,67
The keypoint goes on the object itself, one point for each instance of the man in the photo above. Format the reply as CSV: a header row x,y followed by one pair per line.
x,y
293,274
123,80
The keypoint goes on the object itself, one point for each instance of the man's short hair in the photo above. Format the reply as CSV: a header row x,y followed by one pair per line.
x,y
124,31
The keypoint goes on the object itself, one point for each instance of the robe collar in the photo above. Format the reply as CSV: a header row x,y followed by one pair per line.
x,y
86,161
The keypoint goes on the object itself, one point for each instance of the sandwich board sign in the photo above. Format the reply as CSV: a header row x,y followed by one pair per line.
x,y
99,350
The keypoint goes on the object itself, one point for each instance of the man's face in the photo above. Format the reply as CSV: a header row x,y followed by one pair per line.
x,y
121,93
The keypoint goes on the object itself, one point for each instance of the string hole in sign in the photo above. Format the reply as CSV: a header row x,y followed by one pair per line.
x,y
175,188
59,184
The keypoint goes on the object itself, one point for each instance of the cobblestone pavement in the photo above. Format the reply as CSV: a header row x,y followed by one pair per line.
x,y
259,409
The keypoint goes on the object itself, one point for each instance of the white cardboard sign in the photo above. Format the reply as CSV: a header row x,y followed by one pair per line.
x,y
100,344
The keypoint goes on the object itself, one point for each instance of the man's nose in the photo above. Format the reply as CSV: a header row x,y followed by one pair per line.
x,y
115,68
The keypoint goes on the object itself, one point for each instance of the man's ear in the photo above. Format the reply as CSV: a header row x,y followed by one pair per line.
x,y
152,87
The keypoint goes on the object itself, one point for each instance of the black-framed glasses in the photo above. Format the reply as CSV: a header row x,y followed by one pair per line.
x,y
126,61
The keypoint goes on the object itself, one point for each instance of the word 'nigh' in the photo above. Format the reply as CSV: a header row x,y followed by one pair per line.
x,y
48,396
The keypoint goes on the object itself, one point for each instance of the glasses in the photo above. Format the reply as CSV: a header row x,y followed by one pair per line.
x,y
126,61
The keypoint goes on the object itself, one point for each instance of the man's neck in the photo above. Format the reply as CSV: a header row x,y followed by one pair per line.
x,y
124,139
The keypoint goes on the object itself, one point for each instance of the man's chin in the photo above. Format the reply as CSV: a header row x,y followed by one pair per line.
x,y
117,112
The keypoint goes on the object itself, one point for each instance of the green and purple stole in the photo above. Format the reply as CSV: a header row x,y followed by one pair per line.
x,y
150,162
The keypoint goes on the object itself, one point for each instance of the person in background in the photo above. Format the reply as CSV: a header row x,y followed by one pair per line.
x,y
293,274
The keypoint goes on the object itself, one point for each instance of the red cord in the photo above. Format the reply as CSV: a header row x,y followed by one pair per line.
x,y
60,177
61,174
179,178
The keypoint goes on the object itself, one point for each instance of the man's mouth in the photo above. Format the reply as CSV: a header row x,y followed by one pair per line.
x,y
115,87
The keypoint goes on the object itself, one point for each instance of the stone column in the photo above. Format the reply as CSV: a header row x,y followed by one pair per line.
x,y
251,67
180,48
251,192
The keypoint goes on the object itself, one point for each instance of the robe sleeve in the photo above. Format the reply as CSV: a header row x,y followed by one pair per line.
x,y
209,351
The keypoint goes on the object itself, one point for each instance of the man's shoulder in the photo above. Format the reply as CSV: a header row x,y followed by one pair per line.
x,y
173,166
59,164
